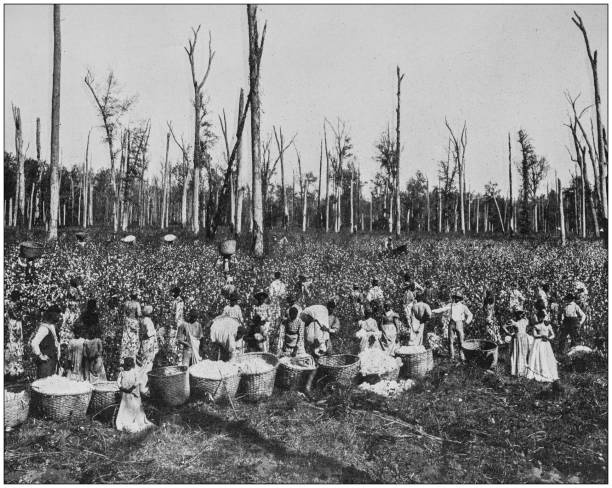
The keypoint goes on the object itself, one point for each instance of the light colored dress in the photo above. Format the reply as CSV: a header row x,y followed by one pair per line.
x,y
13,347
277,292
316,333
131,416
148,347
521,345
388,339
130,343
76,353
542,362
368,328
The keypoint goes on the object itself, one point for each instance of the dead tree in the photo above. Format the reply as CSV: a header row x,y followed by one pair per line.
x,y
255,54
601,143
55,123
186,174
164,213
198,104
20,190
110,108
459,146
327,181
398,220
282,147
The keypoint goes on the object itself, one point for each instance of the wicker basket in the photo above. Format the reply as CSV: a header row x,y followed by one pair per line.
x,y
215,387
289,378
481,352
61,408
105,394
417,364
227,247
17,407
31,249
258,385
170,385
340,368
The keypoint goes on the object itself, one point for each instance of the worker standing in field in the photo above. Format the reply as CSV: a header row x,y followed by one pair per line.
x,y
460,316
277,293
421,313
572,319
45,344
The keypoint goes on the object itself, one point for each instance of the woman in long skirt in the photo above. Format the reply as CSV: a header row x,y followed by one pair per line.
x,y
542,362
129,342
521,343
132,383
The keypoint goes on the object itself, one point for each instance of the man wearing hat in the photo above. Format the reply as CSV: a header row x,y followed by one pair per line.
x,y
459,315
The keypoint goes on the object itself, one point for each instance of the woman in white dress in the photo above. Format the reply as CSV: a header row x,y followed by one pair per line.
x,y
132,383
542,363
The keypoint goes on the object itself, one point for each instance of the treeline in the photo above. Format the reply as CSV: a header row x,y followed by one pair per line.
x,y
424,209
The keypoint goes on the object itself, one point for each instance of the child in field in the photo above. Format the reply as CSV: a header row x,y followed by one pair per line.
x,y
521,343
542,363
334,324
368,334
233,310
132,383
189,336
292,334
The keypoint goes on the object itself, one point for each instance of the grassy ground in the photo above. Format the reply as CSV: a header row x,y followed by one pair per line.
x,y
458,425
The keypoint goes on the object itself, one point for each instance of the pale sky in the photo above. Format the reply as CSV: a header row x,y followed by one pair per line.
x,y
500,68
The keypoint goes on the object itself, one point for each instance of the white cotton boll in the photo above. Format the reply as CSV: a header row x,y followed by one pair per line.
x,y
213,370
59,385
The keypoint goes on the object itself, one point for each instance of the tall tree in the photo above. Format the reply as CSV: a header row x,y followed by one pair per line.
x,y
602,150
255,54
20,193
165,190
511,226
200,112
55,123
110,108
398,221
185,173
459,146
528,158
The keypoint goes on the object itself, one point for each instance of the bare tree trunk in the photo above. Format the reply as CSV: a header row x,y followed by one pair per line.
x,y
11,219
55,123
184,197
31,207
469,214
71,199
165,189
601,146
327,184
304,205
371,201
39,182
398,226
238,189
477,213
501,221
510,182
20,189
255,53
561,211
352,205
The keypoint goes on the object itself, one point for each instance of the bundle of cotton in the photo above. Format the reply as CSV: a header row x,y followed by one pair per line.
x,y
376,361
58,385
214,370
388,388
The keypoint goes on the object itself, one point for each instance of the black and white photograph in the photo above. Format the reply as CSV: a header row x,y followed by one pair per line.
x,y
305,243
